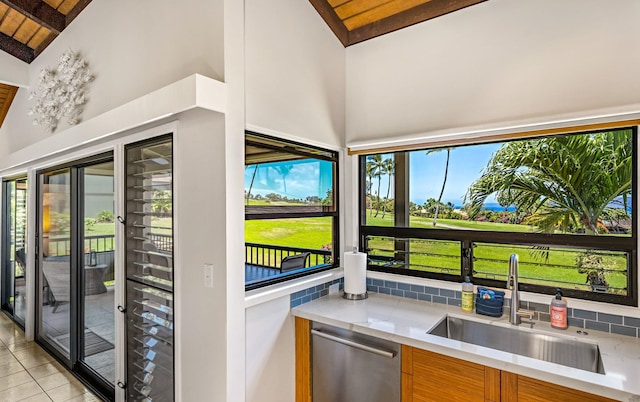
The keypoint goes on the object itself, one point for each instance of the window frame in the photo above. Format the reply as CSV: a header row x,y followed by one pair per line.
x,y
303,212
468,237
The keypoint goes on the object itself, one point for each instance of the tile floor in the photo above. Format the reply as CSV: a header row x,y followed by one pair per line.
x,y
28,373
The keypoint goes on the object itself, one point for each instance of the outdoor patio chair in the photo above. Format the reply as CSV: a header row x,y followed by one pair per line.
x,y
56,273
294,262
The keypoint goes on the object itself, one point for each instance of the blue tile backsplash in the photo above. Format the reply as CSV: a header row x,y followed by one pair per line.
x,y
578,318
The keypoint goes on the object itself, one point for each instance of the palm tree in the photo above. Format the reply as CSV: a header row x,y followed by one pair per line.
x,y
253,178
564,181
370,173
389,170
444,182
378,171
284,170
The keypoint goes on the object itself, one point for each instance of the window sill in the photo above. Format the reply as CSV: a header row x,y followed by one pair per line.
x,y
268,293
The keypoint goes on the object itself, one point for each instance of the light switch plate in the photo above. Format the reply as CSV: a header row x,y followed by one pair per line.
x,y
208,275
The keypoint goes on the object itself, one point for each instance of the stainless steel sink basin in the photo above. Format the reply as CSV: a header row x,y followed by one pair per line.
x,y
555,349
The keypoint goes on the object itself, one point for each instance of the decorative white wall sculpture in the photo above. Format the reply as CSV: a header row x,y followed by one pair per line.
x,y
61,92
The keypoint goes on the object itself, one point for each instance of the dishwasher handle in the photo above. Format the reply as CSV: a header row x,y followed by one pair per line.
x,y
379,352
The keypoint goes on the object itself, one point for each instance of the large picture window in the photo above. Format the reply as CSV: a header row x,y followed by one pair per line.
x,y
565,204
291,213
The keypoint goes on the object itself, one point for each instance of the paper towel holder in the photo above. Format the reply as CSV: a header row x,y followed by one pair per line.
x,y
354,296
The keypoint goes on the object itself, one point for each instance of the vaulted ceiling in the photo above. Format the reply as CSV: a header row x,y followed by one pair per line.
x,y
27,27
354,21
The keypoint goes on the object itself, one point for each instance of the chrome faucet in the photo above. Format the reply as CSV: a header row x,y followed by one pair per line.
x,y
512,281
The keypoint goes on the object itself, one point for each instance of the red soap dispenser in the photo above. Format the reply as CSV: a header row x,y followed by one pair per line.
x,y
558,311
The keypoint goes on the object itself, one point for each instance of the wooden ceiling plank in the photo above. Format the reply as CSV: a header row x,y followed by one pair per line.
x,y
12,22
356,7
3,10
66,6
54,3
16,49
337,3
330,18
76,10
385,10
45,42
4,107
432,9
40,12
38,38
27,29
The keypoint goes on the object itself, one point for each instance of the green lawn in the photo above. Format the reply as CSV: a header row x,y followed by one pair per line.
x,y
491,260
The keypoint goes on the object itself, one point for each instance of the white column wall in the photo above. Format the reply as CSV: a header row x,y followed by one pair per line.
x,y
200,238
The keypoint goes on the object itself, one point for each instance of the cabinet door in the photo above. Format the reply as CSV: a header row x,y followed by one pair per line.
x,y
442,378
532,390
149,269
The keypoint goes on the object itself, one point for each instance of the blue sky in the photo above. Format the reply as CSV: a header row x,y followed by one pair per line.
x,y
313,177
308,177
465,166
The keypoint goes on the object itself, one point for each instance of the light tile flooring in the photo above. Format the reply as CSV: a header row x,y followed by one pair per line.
x,y
28,373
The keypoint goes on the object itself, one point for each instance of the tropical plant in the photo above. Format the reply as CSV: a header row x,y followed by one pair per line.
x,y
564,182
253,178
444,181
161,201
105,216
378,165
389,170
284,169
370,173
593,266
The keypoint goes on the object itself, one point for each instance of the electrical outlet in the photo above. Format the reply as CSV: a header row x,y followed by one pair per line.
x,y
334,288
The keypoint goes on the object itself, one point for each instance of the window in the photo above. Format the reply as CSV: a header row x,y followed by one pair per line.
x,y
291,213
565,204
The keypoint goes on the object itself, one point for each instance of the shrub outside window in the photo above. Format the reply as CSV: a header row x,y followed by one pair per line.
x,y
291,212
565,204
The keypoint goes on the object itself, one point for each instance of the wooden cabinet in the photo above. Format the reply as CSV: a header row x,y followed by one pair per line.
x,y
520,388
429,376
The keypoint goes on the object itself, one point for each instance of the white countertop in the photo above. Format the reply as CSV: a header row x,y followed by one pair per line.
x,y
407,321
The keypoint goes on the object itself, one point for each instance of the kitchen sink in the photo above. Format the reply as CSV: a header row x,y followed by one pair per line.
x,y
521,341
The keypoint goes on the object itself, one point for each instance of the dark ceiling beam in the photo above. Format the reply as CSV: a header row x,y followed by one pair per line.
x,y
423,12
331,18
16,49
40,12
75,11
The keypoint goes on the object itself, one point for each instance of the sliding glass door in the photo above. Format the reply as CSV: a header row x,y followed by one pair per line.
x,y
14,246
76,268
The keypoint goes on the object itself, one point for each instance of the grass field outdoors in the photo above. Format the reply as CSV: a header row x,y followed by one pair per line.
x,y
491,260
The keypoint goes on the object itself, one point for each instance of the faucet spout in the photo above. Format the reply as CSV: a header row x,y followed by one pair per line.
x,y
512,282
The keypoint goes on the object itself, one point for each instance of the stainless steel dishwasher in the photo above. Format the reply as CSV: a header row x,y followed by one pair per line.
x,y
351,367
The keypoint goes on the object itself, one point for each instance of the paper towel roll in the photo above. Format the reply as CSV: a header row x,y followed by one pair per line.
x,y
355,273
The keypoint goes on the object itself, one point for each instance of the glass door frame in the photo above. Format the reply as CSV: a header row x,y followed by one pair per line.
x,y
8,288
76,303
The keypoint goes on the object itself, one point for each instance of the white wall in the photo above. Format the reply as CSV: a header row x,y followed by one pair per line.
x,y
495,62
13,71
200,238
270,352
295,70
133,48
